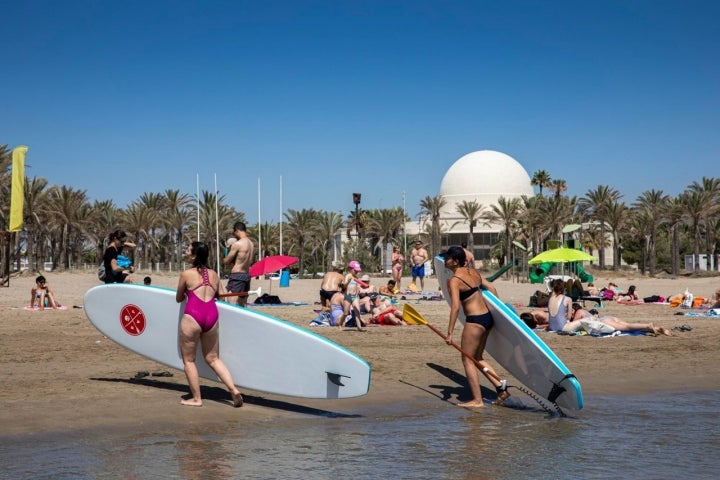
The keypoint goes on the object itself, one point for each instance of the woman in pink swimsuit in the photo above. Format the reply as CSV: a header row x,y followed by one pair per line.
x,y
199,323
397,266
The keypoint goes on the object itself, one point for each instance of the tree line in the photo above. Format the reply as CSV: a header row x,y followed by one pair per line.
x,y
64,227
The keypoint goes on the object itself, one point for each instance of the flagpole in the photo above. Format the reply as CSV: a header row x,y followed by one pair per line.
x,y
17,198
217,228
259,225
404,230
197,197
281,212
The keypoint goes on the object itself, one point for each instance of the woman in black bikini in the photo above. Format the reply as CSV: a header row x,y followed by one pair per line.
x,y
464,290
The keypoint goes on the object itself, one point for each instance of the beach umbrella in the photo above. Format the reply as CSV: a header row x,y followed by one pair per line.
x,y
271,264
561,255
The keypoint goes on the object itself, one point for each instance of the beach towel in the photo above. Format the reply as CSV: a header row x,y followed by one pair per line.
x,y
596,327
37,309
713,312
283,304
322,320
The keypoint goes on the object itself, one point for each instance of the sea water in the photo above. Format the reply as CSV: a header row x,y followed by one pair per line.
x,y
668,435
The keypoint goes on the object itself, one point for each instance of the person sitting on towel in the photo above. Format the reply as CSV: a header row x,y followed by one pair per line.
x,y
41,296
383,312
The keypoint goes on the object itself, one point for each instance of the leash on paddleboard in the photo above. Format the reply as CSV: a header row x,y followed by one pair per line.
x,y
409,313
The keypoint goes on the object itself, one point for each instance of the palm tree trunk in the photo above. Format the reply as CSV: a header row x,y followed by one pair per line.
x,y
675,249
601,248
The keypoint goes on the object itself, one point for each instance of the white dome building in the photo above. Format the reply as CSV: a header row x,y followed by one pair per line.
x,y
482,177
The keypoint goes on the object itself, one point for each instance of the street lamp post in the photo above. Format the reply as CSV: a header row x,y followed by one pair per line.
x,y
356,201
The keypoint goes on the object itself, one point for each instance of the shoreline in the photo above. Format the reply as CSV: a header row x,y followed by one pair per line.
x,y
61,374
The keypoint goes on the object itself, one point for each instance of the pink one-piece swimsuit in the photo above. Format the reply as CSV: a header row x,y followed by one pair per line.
x,y
204,313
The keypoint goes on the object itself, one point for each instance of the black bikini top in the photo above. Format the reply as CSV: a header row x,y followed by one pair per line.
x,y
467,293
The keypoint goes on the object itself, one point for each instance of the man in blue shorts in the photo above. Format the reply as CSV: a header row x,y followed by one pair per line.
x,y
418,257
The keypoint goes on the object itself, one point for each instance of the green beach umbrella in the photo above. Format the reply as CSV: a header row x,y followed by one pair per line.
x,y
562,255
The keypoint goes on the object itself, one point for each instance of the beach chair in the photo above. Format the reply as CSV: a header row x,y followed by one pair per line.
x,y
592,298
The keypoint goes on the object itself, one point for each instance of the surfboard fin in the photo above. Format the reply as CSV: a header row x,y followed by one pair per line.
x,y
335,378
557,390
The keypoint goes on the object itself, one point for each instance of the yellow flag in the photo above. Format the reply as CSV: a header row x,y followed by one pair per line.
x,y
17,187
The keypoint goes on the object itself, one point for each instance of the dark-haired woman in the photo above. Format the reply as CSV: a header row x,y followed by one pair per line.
x,y
464,289
115,273
199,323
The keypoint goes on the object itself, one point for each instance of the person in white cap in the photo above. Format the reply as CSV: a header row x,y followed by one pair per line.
x,y
364,295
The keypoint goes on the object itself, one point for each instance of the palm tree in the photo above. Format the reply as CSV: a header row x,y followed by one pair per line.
x,y
153,207
385,225
709,188
35,202
105,218
595,204
64,205
675,214
617,219
696,203
557,212
431,207
559,186
300,226
506,213
531,221
471,212
270,235
652,204
541,179
215,217
176,219
326,228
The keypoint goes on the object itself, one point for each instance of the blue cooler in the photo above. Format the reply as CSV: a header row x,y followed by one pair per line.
x,y
285,278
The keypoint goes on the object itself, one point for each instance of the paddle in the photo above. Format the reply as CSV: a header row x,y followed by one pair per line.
x,y
241,294
410,315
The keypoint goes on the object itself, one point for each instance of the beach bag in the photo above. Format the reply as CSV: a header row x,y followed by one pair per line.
x,y
266,299
541,299
596,327
607,294
653,299
687,300
101,272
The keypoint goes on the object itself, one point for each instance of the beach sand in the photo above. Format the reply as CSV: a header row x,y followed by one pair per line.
x,y
59,373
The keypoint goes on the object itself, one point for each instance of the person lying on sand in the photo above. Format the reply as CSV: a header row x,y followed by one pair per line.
x,y
580,313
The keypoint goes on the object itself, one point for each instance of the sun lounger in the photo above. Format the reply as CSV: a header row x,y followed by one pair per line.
x,y
597,299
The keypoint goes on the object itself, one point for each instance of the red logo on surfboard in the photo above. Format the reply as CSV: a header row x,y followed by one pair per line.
x,y
132,320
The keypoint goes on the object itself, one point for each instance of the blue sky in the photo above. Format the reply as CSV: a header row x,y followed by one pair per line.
x,y
376,97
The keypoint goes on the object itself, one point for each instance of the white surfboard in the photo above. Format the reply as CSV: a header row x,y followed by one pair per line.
x,y
514,346
263,353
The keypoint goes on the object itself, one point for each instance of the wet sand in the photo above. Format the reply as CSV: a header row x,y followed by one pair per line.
x,y
59,373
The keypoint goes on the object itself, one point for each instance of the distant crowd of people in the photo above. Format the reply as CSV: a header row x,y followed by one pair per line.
x,y
561,311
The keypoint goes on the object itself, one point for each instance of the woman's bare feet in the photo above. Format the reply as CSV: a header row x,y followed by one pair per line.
x,y
237,399
191,402
664,331
472,404
660,330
